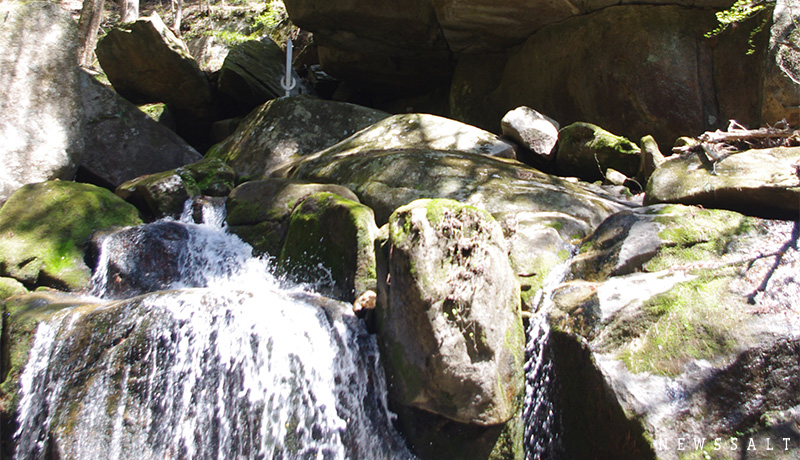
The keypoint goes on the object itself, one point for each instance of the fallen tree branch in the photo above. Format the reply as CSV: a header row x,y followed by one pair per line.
x,y
738,138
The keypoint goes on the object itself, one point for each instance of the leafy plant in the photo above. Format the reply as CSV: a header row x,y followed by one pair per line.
x,y
740,12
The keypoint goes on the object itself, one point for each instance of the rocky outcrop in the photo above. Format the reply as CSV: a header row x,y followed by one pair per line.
x,y
587,151
258,211
45,228
688,316
41,123
330,243
376,43
165,193
122,142
664,79
252,73
782,73
146,62
448,314
287,129
762,182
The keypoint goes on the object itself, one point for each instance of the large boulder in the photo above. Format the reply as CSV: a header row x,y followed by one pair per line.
x,y
680,322
252,74
759,182
146,62
45,229
664,80
258,211
330,241
387,179
287,129
532,130
422,131
448,314
122,142
41,123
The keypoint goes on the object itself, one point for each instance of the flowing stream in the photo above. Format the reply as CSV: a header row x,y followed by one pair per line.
x,y
209,358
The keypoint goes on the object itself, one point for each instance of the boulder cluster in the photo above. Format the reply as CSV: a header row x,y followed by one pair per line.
x,y
669,284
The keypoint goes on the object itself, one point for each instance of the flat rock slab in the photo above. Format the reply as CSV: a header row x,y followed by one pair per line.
x,y
763,182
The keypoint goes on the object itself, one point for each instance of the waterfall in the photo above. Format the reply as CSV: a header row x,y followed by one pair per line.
x,y
540,414
209,357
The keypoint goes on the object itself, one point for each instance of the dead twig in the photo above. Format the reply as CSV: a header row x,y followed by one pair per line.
x,y
712,147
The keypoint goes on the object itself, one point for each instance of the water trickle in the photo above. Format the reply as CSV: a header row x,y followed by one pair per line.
x,y
543,439
220,363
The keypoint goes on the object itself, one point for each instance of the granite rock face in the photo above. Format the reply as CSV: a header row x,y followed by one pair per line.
x,y
42,121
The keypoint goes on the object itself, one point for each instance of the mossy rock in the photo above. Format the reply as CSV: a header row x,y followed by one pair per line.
x,y
45,227
448,314
164,193
656,238
22,314
687,327
587,151
331,239
258,211
9,287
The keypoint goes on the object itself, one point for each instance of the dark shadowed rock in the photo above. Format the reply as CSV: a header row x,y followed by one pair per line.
x,y
41,124
146,62
122,142
664,79
252,72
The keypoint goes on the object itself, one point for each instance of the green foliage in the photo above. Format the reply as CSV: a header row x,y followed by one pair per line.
x,y
740,12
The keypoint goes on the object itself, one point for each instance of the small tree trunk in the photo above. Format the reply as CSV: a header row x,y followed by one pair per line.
x,y
177,8
88,25
130,10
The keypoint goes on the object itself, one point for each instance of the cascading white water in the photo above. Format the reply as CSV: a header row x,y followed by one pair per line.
x,y
540,414
224,365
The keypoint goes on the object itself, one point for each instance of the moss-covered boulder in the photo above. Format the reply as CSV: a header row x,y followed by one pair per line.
x,y
258,211
330,242
164,193
688,318
587,151
449,320
759,182
287,129
44,229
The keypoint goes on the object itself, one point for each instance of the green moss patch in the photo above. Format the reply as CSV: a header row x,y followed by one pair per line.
x,y
691,321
